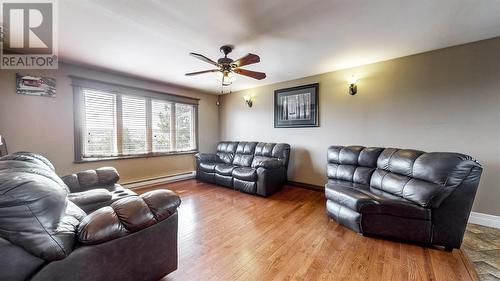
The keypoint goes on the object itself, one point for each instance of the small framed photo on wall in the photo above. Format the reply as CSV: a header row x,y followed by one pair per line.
x,y
35,85
296,107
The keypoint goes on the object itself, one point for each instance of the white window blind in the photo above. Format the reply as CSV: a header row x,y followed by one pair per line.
x,y
134,133
115,125
161,120
184,127
99,124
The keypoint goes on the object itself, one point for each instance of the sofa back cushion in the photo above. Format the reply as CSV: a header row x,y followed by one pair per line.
x,y
226,151
35,212
352,163
244,153
423,178
268,150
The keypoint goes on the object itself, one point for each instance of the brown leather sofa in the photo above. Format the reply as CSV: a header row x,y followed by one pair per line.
x,y
402,193
45,236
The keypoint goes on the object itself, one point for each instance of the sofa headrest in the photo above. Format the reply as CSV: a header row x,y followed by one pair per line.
x,y
34,210
30,157
226,151
227,146
442,168
274,150
354,155
246,147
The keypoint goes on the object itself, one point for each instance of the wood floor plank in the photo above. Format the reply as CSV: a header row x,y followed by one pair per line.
x,y
228,235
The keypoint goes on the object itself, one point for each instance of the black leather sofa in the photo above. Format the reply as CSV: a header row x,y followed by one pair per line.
x,y
45,236
90,189
252,167
93,189
402,193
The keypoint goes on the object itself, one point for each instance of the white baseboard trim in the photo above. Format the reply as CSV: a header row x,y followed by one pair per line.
x,y
160,180
484,219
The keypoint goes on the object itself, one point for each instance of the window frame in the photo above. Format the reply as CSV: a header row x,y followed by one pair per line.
x,y
80,84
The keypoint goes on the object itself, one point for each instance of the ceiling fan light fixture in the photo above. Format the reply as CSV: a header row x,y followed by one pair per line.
x,y
227,67
226,78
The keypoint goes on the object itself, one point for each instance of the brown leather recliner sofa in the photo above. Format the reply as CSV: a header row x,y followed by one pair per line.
x,y
402,193
45,236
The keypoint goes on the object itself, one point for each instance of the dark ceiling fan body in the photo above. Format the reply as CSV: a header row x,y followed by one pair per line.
x,y
227,66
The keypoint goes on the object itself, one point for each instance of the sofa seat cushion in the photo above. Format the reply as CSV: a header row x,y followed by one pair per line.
x,y
225,169
245,173
367,200
90,197
208,167
348,195
398,209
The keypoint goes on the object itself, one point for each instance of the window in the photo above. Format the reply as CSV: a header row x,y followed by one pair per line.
x,y
134,137
184,127
162,118
113,125
99,124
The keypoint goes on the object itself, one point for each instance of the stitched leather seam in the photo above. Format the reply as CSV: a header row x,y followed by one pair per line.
x,y
338,213
470,170
382,180
44,229
390,158
387,214
433,196
403,189
413,164
352,177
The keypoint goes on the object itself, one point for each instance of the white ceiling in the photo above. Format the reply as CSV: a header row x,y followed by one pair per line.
x,y
294,38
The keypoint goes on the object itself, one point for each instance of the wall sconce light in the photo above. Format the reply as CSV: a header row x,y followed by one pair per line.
x,y
248,100
353,88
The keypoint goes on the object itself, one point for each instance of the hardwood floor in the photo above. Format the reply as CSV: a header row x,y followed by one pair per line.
x,y
227,235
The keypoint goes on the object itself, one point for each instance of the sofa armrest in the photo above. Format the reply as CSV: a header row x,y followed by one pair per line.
x,y
90,196
127,215
267,163
206,157
89,179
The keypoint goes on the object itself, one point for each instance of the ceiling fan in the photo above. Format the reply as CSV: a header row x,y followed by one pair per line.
x,y
226,67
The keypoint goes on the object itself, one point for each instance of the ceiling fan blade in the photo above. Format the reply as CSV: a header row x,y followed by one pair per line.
x,y
249,73
246,60
201,72
203,58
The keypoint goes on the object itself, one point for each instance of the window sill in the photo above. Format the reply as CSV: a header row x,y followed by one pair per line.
x,y
112,158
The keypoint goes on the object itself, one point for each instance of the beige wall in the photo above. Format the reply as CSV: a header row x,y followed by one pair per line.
x,y
45,125
445,100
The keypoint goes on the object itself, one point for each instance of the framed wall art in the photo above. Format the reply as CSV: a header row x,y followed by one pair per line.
x,y
35,86
296,107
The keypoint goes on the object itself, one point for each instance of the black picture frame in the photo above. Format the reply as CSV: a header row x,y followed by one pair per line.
x,y
296,107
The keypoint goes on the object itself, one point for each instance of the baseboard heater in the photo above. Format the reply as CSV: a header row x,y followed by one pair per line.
x,y
159,180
